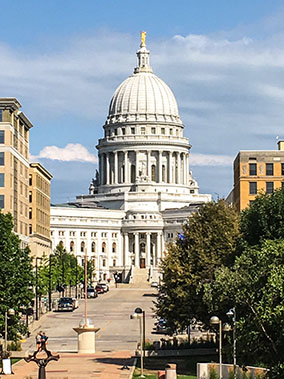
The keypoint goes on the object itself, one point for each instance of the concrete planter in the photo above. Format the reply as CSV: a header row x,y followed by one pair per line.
x,y
203,370
177,353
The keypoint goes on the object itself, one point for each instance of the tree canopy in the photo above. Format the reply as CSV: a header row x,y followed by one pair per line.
x,y
16,276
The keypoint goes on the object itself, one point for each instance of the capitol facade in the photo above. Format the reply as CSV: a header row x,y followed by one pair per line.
x,y
143,190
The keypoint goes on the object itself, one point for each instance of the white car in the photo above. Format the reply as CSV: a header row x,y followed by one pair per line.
x,y
154,284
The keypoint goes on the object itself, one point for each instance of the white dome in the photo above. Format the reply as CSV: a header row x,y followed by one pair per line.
x,y
143,96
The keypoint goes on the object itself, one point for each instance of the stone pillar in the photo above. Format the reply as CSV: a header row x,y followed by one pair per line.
x,y
149,165
178,169
170,168
115,172
136,165
160,166
187,168
126,167
163,244
107,168
159,252
136,239
148,249
102,172
126,249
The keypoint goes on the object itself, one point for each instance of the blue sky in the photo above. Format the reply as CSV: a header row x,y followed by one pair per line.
x,y
224,61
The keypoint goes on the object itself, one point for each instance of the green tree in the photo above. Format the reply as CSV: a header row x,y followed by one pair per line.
x,y
16,277
209,240
264,218
255,285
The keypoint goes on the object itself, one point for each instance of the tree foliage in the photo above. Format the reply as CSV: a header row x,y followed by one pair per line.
x,y
209,240
16,276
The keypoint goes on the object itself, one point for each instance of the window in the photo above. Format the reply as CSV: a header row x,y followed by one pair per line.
x,y
269,187
30,180
2,180
2,201
123,131
2,158
162,130
269,169
30,213
93,234
114,247
71,246
114,263
153,130
171,132
103,247
132,130
82,247
143,130
2,136
252,168
104,263
1,115
115,132
253,188
93,247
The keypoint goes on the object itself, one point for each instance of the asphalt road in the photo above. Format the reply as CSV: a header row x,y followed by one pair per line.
x,y
110,312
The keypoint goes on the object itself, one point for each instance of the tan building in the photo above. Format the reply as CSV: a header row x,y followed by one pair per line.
x,y
39,210
14,165
256,172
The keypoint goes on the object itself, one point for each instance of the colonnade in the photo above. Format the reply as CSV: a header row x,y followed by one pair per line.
x,y
157,165
143,254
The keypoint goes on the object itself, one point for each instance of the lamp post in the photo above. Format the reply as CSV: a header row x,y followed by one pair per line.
x,y
140,314
36,289
214,320
49,282
232,314
10,312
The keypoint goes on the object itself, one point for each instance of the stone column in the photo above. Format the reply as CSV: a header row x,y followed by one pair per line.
x,y
149,164
136,239
159,252
160,166
178,169
126,167
107,168
102,172
148,249
170,168
187,168
163,244
115,172
126,249
136,165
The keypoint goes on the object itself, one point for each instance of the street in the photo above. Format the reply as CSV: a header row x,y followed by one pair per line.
x,y
110,312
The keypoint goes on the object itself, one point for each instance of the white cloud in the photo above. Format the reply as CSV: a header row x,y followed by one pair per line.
x,y
210,160
71,152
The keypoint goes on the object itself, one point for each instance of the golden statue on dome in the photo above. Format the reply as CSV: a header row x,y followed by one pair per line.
x,y
143,39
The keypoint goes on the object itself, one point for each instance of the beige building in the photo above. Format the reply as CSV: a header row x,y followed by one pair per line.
x,y
256,172
14,165
39,210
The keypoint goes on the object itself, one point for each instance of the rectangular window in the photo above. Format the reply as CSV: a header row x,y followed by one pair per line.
x,y
252,169
253,188
2,158
162,130
269,169
1,115
132,130
2,136
153,130
282,168
123,131
2,201
115,132
143,130
269,187
2,180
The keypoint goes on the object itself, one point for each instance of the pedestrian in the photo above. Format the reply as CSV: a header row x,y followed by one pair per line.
x,y
43,341
38,340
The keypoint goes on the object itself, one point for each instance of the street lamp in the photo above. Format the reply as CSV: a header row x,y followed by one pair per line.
x,y
49,281
140,314
36,289
214,320
10,312
232,315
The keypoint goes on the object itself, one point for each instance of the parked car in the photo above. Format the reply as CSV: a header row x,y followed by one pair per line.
x,y
99,289
161,326
91,292
154,284
65,304
104,285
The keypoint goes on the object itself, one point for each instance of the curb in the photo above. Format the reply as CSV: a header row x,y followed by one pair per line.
x,y
132,368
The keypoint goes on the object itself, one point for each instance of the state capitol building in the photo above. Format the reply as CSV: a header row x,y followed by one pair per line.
x,y
143,190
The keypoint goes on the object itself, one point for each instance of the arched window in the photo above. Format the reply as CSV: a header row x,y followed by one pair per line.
x,y
82,247
114,263
142,247
153,173
103,247
114,247
71,246
61,243
93,247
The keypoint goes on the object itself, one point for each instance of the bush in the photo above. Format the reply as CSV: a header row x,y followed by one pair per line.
x,y
14,346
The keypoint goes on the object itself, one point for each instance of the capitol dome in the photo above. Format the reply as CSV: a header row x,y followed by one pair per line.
x,y
143,96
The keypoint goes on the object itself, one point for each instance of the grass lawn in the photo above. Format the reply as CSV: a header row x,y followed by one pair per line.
x,y
186,366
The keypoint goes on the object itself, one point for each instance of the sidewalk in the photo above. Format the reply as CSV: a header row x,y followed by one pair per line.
x,y
80,366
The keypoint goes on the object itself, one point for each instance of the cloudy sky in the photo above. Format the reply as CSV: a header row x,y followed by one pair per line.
x,y
223,59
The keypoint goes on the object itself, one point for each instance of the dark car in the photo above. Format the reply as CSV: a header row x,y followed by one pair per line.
x,y
66,304
92,292
161,326
99,289
104,286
